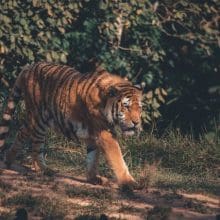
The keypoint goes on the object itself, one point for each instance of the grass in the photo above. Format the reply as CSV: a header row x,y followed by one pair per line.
x,y
196,206
129,209
175,161
181,154
92,217
48,207
25,199
159,212
172,162
190,183
4,186
94,193
150,163
52,207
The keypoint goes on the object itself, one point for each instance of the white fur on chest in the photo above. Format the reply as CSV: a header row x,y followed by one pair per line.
x,y
76,128
81,132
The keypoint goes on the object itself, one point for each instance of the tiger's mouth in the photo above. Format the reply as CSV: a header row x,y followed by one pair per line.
x,y
129,131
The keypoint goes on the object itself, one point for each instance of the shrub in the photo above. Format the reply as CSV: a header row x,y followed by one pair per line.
x,y
164,44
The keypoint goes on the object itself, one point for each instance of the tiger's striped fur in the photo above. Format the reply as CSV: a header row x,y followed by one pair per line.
x,y
84,106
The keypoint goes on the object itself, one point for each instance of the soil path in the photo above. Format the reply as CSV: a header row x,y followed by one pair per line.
x,y
75,198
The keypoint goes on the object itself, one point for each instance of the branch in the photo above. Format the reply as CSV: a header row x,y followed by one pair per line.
x,y
4,82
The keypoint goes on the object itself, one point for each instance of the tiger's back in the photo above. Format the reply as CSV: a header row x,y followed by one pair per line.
x,y
47,94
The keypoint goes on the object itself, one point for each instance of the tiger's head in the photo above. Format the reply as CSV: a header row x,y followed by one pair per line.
x,y
124,108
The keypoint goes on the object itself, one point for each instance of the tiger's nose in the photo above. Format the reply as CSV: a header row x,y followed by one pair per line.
x,y
135,123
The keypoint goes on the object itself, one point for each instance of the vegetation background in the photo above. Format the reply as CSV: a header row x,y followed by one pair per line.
x,y
170,47
174,45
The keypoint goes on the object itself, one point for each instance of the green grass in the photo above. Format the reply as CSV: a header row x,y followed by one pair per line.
x,y
175,161
190,183
173,151
172,161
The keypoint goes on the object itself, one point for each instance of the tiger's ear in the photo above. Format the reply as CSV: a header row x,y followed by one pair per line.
x,y
112,92
140,86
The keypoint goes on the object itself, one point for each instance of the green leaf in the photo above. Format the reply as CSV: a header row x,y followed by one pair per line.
x,y
63,58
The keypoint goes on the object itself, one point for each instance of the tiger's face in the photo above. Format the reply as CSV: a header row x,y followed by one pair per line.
x,y
124,109
129,114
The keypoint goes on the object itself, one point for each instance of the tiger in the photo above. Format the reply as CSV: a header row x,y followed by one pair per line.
x,y
87,107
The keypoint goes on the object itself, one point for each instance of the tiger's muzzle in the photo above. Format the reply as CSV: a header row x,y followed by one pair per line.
x,y
131,130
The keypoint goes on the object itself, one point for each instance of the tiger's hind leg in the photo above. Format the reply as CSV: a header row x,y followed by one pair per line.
x,y
21,137
37,144
37,155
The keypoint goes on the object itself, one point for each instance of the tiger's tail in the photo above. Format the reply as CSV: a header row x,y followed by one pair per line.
x,y
8,112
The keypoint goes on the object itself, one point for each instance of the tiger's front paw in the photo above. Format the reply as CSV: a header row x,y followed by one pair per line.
x,y
128,184
128,188
98,180
49,172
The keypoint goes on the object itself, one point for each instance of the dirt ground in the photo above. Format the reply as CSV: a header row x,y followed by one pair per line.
x,y
65,196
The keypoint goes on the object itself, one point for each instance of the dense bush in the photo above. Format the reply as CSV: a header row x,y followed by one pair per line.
x,y
166,44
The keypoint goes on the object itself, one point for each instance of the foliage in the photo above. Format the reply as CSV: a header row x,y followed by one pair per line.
x,y
163,44
151,103
33,30
191,67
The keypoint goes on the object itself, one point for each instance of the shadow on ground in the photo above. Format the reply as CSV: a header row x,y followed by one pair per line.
x,y
63,196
